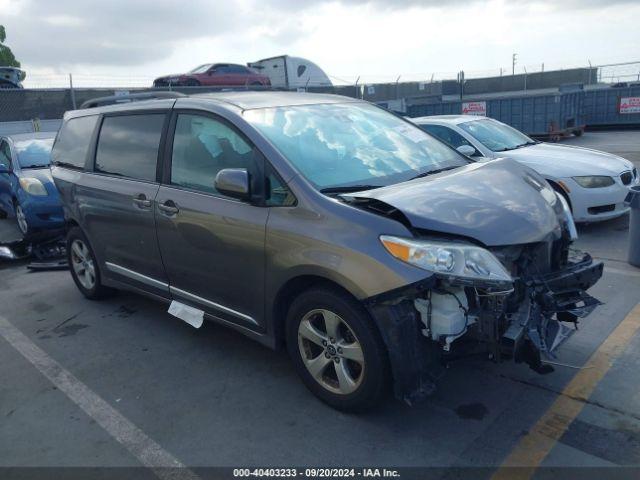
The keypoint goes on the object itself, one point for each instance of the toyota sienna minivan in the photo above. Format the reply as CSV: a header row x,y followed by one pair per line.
x,y
372,251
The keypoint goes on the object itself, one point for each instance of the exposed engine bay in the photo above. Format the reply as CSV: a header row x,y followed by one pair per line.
x,y
504,284
430,323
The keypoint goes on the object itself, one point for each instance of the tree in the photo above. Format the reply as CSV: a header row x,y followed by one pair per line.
x,y
7,59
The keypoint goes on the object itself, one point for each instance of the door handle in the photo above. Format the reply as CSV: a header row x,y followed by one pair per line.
x,y
169,207
141,201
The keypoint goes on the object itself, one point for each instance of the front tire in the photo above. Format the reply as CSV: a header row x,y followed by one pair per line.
x,y
336,349
84,266
21,220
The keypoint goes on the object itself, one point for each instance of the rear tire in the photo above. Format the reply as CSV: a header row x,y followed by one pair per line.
x,y
84,266
337,350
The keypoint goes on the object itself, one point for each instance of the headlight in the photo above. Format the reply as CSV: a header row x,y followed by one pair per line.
x,y
597,181
571,225
33,186
455,260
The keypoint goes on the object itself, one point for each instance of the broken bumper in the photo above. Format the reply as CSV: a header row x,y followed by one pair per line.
x,y
539,326
532,329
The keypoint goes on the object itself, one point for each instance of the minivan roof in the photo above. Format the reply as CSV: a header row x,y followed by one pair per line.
x,y
251,100
243,100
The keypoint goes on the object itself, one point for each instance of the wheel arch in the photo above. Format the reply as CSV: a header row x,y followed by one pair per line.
x,y
292,288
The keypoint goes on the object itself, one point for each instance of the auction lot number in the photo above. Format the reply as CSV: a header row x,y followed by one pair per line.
x,y
316,472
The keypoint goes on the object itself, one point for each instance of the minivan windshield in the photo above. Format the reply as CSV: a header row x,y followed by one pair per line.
x,y
34,153
352,144
496,136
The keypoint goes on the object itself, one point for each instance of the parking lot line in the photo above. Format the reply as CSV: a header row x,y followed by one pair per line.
x,y
147,451
532,449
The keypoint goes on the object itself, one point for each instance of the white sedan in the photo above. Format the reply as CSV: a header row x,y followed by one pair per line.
x,y
594,183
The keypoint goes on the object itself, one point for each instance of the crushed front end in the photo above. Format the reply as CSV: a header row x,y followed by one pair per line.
x,y
428,324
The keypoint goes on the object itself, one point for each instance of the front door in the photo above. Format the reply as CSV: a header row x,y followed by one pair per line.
x,y
212,246
118,215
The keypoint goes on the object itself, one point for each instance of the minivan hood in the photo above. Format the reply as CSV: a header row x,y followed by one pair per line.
x,y
496,203
569,160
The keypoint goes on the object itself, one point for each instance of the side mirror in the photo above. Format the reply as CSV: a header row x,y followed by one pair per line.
x,y
467,150
233,182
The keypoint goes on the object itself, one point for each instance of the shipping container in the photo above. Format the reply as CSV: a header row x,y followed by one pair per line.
x,y
612,106
550,114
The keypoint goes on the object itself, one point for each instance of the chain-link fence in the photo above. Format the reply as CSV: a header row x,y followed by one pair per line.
x,y
47,97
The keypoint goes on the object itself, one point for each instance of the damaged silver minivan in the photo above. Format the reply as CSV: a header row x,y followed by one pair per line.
x,y
325,224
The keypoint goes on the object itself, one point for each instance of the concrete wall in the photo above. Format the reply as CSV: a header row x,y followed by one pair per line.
x,y
532,81
28,126
20,105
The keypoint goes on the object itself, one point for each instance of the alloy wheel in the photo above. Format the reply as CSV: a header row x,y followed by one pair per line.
x,y
82,264
21,218
331,352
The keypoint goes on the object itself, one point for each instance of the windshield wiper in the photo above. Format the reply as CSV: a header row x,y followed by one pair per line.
x,y
433,172
34,166
525,144
349,188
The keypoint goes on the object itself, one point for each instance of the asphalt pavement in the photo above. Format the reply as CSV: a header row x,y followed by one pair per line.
x,y
122,383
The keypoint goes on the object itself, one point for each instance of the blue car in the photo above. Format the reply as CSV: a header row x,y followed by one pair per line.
x,y
27,191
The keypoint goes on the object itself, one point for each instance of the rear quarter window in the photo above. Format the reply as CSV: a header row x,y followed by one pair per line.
x,y
72,143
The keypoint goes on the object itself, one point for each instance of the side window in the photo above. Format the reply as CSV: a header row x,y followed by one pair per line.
x,y
447,135
5,155
128,145
202,147
277,193
72,144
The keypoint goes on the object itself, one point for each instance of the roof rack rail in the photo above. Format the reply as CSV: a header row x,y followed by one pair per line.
x,y
132,97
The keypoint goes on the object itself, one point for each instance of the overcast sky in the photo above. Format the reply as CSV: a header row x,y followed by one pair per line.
x,y
376,39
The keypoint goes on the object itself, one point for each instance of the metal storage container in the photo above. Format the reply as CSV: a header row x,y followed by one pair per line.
x,y
603,106
538,115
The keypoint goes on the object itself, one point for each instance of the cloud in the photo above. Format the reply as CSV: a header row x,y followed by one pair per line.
x,y
127,34
117,32
404,4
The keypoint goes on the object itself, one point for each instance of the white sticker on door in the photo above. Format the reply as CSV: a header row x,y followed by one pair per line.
x,y
192,316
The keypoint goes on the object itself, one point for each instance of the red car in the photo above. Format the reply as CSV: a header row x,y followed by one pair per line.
x,y
215,74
